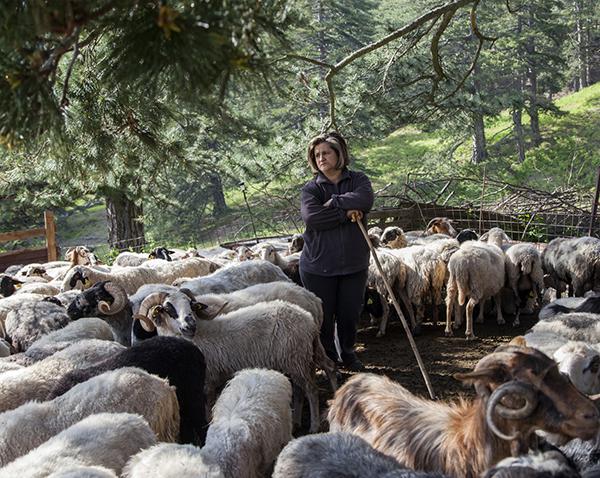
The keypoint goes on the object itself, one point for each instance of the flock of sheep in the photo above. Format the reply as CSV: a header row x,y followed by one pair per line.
x,y
177,364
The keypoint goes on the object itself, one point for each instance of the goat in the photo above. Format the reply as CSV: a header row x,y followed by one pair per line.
x,y
519,390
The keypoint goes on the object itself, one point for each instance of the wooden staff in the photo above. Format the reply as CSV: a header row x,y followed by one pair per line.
x,y
397,307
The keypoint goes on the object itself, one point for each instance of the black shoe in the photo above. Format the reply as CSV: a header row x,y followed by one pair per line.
x,y
354,365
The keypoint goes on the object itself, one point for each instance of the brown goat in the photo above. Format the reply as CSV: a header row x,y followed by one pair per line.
x,y
440,225
519,390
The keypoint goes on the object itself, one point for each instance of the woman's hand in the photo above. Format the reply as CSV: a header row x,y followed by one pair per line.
x,y
354,215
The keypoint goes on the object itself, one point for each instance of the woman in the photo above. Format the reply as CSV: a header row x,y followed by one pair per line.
x,y
335,257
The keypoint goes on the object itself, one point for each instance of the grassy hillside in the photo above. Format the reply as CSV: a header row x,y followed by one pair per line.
x,y
570,152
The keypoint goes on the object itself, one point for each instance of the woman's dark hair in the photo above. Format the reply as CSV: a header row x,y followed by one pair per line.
x,y
336,141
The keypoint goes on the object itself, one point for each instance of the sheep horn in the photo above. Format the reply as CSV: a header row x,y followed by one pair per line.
x,y
119,296
153,299
218,312
146,323
521,389
187,292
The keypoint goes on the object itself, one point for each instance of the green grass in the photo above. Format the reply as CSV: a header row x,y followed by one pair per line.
x,y
568,155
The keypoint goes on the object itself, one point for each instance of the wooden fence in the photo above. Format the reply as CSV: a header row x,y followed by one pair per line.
x,y
28,256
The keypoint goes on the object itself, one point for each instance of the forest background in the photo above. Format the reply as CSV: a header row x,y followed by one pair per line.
x,y
186,123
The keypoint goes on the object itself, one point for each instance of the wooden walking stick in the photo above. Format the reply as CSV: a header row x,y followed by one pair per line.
x,y
397,307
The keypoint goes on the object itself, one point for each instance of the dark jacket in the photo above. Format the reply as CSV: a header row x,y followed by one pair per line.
x,y
334,245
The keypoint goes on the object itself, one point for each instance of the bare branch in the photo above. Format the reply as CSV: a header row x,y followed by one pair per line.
x,y
433,14
474,27
64,101
294,56
435,45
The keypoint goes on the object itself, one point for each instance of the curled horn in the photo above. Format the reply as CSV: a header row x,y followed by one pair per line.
x,y
495,407
146,323
187,292
152,300
119,296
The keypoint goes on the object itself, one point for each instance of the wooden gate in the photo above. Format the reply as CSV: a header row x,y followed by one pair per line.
x,y
28,256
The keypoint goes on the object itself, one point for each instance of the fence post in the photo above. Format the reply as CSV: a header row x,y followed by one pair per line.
x,y
50,235
595,203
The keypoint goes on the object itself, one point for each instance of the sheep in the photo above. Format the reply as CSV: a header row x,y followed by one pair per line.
x,y
132,278
296,244
244,253
44,288
290,265
105,439
467,235
251,423
579,326
130,259
288,291
476,272
425,276
73,332
275,334
581,362
36,381
127,390
167,460
575,262
440,225
524,276
519,390
394,271
5,349
8,304
172,358
33,320
81,256
549,464
393,237
590,304
234,277
10,284
341,455
83,472
108,301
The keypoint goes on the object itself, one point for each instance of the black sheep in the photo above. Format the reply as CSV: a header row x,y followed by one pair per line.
x,y
173,358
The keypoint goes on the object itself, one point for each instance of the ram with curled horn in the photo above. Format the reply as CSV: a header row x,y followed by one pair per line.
x,y
173,310
108,301
519,390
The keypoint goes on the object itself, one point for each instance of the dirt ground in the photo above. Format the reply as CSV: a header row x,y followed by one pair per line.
x,y
392,355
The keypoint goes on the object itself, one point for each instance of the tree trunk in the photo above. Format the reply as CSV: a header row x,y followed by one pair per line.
x,y
322,47
479,153
518,126
218,197
125,226
581,38
533,109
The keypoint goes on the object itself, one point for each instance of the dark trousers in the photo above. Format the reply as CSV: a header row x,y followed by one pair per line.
x,y
343,298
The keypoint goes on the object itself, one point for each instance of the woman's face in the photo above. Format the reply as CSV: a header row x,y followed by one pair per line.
x,y
326,158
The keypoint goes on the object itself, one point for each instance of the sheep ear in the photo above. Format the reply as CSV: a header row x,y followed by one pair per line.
x,y
484,237
483,376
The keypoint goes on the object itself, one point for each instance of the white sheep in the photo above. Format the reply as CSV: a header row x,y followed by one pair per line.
x,y
130,259
290,265
234,277
32,320
425,276
132,278
581,362
476,273
37,380
127,390
276,335
168,460
73,332
83,472
14,303
524,275
251,423
394,271
104,439
393,237
288,291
